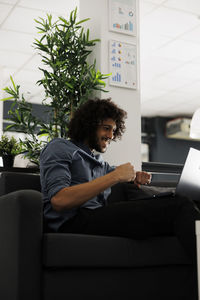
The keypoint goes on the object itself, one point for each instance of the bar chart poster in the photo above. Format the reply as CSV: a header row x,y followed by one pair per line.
x,y
123,64
122,16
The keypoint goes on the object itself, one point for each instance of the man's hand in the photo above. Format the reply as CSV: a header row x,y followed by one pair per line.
x,y
142,178
125,173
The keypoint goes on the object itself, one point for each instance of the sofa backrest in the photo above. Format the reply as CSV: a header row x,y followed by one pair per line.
x,y
13,181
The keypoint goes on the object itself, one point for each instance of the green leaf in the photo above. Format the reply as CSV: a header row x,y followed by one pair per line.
x,y
101,82
10,126
13,83
63,20
41,30
71,17
85,20
75,15
42,38
49,19
17,114
8,98
88,33
37,21
69,85
43,134
105,76
94,41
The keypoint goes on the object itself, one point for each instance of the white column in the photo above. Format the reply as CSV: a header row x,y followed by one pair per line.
x,y
129,148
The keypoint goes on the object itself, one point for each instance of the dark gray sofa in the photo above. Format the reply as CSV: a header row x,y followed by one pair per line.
x,y
37,265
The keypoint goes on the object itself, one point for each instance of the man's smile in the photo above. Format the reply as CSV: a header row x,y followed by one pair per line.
x,y
106,141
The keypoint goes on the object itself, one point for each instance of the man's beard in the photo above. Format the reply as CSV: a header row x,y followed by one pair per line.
x,y
95,144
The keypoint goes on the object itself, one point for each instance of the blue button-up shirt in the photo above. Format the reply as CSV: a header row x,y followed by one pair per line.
x,y
64,163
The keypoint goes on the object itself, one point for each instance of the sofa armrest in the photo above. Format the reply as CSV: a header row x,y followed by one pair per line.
x,y
163,174
15,181
20,245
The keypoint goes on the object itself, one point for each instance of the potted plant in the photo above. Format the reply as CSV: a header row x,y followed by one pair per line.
x,y
9,148
68,81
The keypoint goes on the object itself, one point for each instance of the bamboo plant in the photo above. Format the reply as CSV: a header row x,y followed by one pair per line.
x,y
68,80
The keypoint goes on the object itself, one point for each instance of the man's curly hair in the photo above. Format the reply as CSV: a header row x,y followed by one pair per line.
x,y
83,125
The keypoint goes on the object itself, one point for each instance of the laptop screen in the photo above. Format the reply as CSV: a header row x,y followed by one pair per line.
x,y
189,182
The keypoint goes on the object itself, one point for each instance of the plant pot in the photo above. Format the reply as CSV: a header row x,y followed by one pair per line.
x,y
8,161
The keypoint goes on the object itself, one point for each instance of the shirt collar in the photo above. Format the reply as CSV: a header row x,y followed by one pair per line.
x,y
84,147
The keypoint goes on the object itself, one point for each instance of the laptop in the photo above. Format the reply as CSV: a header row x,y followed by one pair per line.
x,y
189,181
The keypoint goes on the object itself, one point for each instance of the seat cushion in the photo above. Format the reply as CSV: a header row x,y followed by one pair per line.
x,y
79,250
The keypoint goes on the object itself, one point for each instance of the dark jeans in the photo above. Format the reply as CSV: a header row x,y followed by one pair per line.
x,y
140,219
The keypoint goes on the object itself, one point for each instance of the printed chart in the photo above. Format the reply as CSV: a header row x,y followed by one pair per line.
x,y
122,16
123,64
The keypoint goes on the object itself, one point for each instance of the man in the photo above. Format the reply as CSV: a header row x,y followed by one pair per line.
x,y
76,184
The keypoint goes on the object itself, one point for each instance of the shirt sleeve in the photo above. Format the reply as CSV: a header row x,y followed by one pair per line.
x,y
109,168
55,162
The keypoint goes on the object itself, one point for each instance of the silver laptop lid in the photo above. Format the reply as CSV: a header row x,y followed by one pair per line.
x,y
189,182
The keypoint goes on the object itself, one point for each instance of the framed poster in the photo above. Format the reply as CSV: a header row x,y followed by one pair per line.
x,y
123,64
122,16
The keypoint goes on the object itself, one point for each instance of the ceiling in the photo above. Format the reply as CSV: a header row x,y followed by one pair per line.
x,y
170,57
169,51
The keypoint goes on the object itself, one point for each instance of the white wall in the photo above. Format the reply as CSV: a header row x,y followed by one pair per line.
x,y
129,148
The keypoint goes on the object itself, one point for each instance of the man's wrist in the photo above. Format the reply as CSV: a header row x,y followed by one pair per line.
x,y
114,176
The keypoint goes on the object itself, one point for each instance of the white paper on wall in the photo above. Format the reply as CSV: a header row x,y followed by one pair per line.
x,y
122,16
123,64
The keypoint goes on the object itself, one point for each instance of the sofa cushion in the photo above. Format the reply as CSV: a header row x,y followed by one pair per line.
x,y
79,250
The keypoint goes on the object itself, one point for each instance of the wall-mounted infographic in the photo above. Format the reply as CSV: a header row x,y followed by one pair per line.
x,y
123,64
122,16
